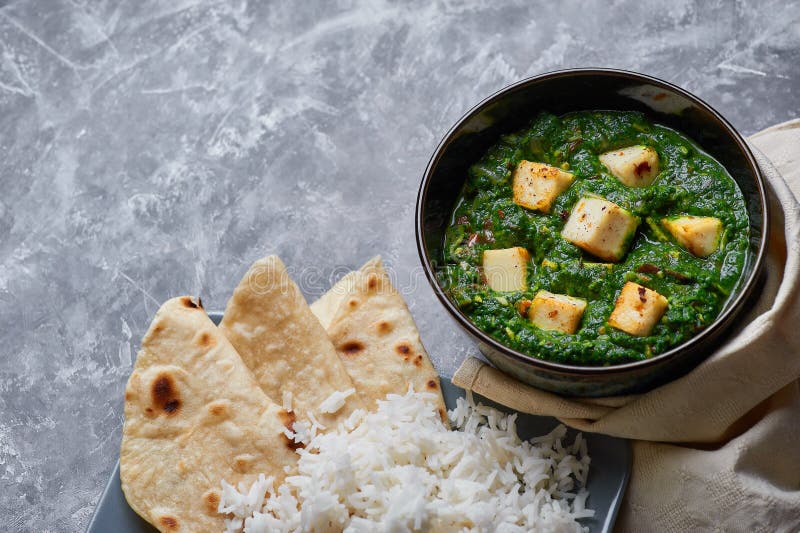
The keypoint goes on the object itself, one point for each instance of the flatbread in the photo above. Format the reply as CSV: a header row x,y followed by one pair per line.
x,y
194,415
377,339
281,341
327,304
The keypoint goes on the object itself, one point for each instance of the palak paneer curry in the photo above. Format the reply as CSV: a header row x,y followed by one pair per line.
x,y
595,238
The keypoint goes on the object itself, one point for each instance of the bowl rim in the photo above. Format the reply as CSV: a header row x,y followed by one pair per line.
x,y
730,311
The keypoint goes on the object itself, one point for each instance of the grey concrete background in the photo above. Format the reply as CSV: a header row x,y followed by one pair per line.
x,y
151,149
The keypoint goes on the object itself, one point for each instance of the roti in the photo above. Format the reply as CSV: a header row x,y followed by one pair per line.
x,y
327,304
281,341
194,415
376,337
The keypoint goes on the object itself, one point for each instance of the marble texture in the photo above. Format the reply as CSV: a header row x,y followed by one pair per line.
x,y
151,149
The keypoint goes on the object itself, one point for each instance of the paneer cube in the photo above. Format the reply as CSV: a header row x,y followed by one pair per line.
x,y
600,227
635,166
699,235
556,312
638,310
506,270
536,186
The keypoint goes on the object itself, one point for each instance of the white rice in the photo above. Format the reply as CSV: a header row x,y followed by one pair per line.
x,y
316,426
335,401
287,401
399,469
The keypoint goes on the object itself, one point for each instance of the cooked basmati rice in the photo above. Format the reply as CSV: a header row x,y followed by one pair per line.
x,y
287,400
400,469
335,401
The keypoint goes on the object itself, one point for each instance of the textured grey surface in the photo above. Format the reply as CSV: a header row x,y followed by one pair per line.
x,y
155,149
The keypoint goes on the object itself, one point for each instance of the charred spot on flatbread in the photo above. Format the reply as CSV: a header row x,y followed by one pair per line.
x,y
164,393
169,523
241,463
288,419
192,303
432,384
219,408
211,501
403,348
206,340
352,348
372,282
384,327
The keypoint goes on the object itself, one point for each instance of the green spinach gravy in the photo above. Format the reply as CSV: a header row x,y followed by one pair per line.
x,y
689,183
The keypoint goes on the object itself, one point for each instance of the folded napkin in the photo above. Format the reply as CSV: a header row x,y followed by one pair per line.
x,y
718,449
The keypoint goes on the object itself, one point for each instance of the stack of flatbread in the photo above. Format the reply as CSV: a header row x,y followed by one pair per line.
x,y
205,403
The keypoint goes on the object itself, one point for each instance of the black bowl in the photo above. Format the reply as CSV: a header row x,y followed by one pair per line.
x,y
574,90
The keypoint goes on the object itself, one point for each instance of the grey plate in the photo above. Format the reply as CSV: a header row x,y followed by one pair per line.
x,y
608,474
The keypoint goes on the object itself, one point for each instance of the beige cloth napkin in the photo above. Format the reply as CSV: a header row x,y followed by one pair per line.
x,y
718,449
